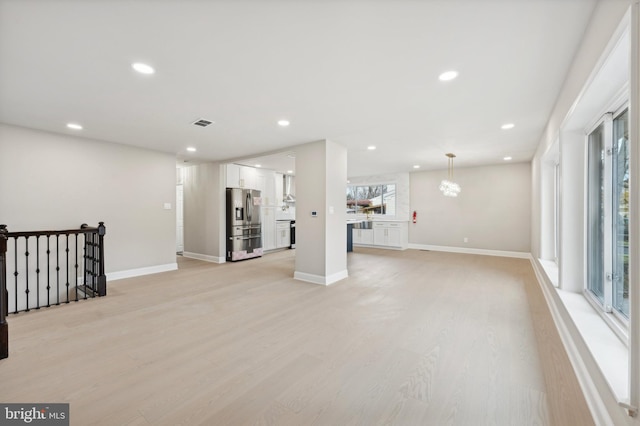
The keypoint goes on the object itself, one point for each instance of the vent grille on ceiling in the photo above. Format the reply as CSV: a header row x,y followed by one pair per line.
x,y
202,122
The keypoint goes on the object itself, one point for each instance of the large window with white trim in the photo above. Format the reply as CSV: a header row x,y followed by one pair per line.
x,y
372,199
608,213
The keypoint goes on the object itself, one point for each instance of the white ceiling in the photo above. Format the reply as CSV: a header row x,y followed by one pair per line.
x,y
358,73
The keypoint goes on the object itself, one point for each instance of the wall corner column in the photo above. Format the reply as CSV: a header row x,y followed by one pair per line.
x,y
321,227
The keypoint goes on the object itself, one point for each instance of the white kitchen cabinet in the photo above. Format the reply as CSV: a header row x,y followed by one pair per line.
x,y
269,198
248,177
283,234
233,176
243,177
268,217
363,237
279,186
390,234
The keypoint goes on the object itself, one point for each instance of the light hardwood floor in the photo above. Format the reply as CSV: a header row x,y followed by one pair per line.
x,y
410,338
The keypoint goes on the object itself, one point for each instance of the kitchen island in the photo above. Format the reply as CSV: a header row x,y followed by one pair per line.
x,y
381,233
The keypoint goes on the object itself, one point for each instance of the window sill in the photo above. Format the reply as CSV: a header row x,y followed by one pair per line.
x,y
611,355
551,269
607,350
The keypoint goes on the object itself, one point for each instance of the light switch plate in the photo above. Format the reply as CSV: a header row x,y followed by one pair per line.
x,y
167,206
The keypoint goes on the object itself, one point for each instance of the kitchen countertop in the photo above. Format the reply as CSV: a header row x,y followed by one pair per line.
x,y
376,220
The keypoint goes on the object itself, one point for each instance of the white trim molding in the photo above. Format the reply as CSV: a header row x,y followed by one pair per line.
x,y
484,252
598,395
319,279
130,273
205,257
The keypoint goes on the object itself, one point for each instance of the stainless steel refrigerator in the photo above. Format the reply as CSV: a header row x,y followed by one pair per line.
x,y
244,227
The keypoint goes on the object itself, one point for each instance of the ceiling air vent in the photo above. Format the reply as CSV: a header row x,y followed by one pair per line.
x,y
202,122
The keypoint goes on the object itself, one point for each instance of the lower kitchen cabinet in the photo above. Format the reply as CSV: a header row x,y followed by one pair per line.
x,y
384,234
283,234
363,236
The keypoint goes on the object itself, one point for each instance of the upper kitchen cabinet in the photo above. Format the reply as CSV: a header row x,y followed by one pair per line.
x,y
242,177
279,187
267,179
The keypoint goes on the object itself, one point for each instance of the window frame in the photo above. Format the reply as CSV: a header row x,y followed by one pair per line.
x,y
371,184
617,321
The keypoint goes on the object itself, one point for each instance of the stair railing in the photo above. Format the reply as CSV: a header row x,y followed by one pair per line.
x,y
49,268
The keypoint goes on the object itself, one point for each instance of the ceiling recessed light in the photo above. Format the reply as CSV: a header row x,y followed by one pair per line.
x,y
74,126
283,123
258,165
371,147
191,149
143,68
289,171
448,76
508,126
507,158
417,166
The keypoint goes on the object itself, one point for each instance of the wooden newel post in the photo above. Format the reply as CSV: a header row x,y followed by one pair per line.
x,y
4,295
102,278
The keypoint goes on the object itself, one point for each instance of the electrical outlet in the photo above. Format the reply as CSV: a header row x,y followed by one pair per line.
x,y
466,240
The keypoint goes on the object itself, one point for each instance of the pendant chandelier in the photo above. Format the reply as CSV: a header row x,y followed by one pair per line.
x,y
448,187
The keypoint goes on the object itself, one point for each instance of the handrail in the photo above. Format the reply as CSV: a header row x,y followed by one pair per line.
x,y
85,230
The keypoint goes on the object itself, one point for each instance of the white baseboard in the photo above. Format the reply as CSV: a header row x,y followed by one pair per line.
x,y
130,273
319,279
205,257
484,252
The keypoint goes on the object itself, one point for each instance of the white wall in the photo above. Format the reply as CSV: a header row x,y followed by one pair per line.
x,y
204,214
50,181
492,211
604,21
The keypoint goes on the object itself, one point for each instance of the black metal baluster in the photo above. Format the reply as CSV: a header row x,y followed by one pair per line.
x,y
26,269
57,269
94,261
85,258
15,270
67,266
37,271
75,276
48,271
94,281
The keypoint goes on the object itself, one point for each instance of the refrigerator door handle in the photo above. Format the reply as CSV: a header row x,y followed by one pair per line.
x,y
248,206
250,237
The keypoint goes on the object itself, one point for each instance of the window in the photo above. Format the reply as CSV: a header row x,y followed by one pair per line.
x,y
608,214
556,213
371,199
595,213
620,216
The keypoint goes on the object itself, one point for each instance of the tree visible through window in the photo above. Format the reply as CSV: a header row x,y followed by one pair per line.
x,y
371,199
